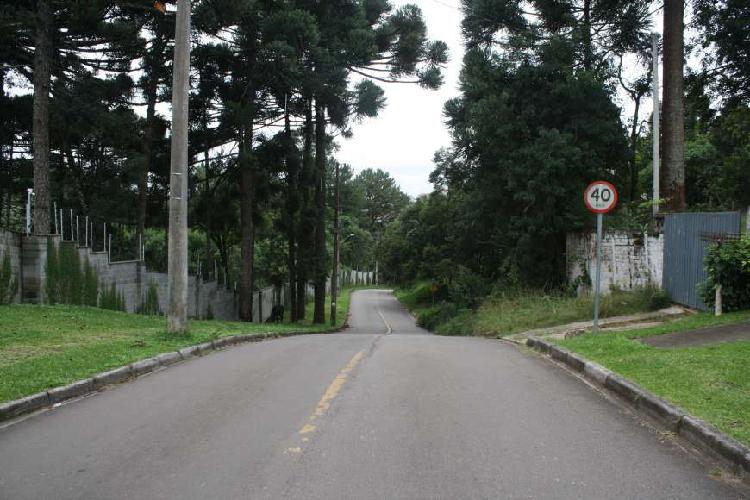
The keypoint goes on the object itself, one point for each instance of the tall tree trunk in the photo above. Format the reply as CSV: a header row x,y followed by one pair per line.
x,y
673,134
633,147
291,207
42,80
148,144
336,248
305,243
588,51
319,315
247,202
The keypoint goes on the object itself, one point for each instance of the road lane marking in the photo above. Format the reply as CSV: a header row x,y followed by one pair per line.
x,y
389,329
325,401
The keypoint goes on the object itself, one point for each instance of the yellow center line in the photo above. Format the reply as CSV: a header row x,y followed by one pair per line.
x,y
325,402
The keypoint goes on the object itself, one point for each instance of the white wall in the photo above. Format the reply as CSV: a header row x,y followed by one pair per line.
x,y
629,260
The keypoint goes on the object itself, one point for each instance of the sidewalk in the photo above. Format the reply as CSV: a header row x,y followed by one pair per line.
x,y
619,323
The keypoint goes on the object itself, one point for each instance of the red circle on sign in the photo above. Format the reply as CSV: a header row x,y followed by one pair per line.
x,y
603,210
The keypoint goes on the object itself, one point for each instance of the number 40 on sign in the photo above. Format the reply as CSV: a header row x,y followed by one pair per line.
x,y
600,197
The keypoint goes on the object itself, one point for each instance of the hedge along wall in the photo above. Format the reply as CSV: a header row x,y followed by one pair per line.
x,y
10,249
29,264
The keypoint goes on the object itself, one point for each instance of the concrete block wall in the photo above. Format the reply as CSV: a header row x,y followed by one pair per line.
x,y
629,260
132,280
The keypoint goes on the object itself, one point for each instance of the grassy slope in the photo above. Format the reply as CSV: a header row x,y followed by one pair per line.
x,y
711,382
518,311
48,346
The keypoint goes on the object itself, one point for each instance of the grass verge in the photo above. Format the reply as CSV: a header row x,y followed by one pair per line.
x,y
47,346
519,310
711,382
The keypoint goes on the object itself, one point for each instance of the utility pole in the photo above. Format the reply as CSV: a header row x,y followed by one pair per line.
x,y
177,256
336,250
655,118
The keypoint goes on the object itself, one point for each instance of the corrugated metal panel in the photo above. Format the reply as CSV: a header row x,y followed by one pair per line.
x,y
685,249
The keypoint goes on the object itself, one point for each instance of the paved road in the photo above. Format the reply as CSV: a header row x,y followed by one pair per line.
x,y
381,411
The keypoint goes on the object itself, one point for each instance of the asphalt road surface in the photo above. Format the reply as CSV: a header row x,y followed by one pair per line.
x,y
384,410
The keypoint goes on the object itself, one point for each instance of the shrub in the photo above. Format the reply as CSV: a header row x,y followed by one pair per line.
x,y
51,272
728,264
90,285
110,298
8,284
150,304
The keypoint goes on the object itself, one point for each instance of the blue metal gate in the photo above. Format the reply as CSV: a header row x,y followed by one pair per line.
x,y
686,241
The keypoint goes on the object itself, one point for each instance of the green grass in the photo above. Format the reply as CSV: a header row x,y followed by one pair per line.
x,y
711,382
47,346
519,310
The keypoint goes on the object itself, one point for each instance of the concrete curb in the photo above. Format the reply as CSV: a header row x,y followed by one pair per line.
x,y
674,418
80,388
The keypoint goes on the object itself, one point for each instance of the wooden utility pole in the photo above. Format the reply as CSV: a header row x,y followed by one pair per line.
x,y
673,137
336,249
655,126
178,249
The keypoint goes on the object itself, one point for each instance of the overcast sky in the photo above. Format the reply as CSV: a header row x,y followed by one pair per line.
x,y
406,134
404,137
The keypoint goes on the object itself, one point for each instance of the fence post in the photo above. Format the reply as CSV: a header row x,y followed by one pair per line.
x,y
260,306
29,194
86,232
718,310
109,249
54,213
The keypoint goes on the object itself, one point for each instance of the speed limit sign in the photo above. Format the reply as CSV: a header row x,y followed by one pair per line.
x,y
600,197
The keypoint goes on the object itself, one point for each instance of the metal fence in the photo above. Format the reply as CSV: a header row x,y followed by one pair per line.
x,y
686,240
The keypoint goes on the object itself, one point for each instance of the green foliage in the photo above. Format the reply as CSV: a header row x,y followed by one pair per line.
x,y
51,273
110,298
150,304
90,285
8,283
507,311
728,264
67,280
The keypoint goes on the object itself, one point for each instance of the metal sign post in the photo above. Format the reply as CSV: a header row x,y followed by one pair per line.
x,y
600,197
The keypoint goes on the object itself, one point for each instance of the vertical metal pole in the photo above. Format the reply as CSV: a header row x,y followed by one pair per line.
x,y
178,248
109,249
140,246
29,193
78,232
104,238
62,231
655,126
86,237
598,282
71,225
54,213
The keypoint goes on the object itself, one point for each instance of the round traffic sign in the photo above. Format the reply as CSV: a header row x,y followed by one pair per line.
x,y
600,197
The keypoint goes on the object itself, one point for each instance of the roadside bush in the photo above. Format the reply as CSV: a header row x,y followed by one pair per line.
x,y
8,284
66,280
431,317
150,304
728,263
110,298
